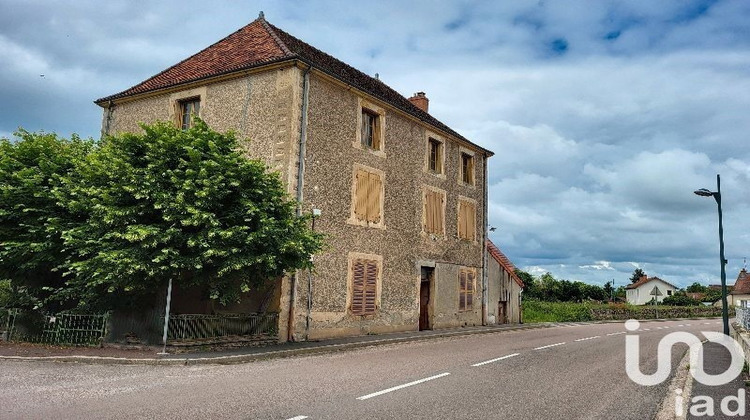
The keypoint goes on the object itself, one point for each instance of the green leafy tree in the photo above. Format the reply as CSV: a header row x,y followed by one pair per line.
x,y
32,249
637,274
181,205
696,288
531,288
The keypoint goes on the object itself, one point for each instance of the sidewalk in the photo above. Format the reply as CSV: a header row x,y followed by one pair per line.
x,y
716,361
249,354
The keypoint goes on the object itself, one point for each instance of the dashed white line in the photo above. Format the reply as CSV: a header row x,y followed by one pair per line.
x,y
396,388
617,333
496,360
646,329
588,338
681,325
706,323
297,418
687,325
551,345
717,322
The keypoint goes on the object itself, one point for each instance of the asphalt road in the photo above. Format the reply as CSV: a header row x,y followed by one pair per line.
x,y
565,372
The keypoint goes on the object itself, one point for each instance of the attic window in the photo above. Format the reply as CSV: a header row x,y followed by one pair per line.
x,y
435,156
370,129
189,108
467,169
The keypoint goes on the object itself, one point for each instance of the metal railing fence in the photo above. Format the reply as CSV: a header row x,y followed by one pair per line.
x,y
199,326
60,329
742,314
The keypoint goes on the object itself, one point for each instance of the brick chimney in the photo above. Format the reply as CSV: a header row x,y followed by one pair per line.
x,y
420,101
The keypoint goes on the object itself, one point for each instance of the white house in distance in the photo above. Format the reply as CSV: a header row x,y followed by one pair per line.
x,y
639,293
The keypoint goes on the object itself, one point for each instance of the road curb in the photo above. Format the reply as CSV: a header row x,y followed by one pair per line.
x,y
682,385
276,354
273,354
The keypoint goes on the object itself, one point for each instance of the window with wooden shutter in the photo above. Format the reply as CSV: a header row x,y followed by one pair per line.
x,y
364,287
368,196
466,287
435,156
467,168
467,220
434,212
370,135
187,109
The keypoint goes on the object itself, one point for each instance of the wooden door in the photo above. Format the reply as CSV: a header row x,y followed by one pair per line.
x,y
424,298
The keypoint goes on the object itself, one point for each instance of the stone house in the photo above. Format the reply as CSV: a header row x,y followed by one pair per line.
x,y
639,293
504,288
739,294
400,195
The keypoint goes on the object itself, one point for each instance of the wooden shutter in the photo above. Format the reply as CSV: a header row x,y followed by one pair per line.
x,y
461,220
374,186
471,221
376,132
364,287
371,287
439,213
358,287
360,194
462,290
470,282
467,221
434,212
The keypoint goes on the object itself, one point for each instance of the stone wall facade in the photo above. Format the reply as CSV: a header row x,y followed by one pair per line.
x,y
266,108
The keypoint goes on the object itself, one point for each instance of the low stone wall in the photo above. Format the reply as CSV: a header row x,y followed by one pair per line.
x,y
742,336
645,312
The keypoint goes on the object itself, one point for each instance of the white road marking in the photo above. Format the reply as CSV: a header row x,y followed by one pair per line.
x,y
681,325
396,388
617,333
687,325
588,338
706,323
297,418
658,328
666,328
551,345
496,360
717,322
647,329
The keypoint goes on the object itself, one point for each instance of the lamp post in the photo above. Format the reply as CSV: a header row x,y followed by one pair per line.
x,y
703,192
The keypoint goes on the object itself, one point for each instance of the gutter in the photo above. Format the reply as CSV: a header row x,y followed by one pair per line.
x,y
485,298
300,189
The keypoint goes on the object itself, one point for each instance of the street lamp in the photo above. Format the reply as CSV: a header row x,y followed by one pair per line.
x,y
703,192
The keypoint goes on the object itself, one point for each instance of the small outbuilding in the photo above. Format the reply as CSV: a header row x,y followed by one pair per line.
x,y
504,288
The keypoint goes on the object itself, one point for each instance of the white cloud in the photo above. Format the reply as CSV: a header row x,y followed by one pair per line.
x,y
598,147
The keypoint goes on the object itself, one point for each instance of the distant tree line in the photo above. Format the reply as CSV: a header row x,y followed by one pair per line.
x,y
549,289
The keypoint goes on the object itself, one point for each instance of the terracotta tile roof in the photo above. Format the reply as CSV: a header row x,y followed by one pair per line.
x,y
742,285
260,43
504,262
646,279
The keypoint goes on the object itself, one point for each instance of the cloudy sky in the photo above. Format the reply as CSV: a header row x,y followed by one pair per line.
x,y
604,116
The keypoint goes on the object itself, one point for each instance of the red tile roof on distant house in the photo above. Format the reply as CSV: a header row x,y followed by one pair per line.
x,y
260,43
504,262
742,285
645,279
